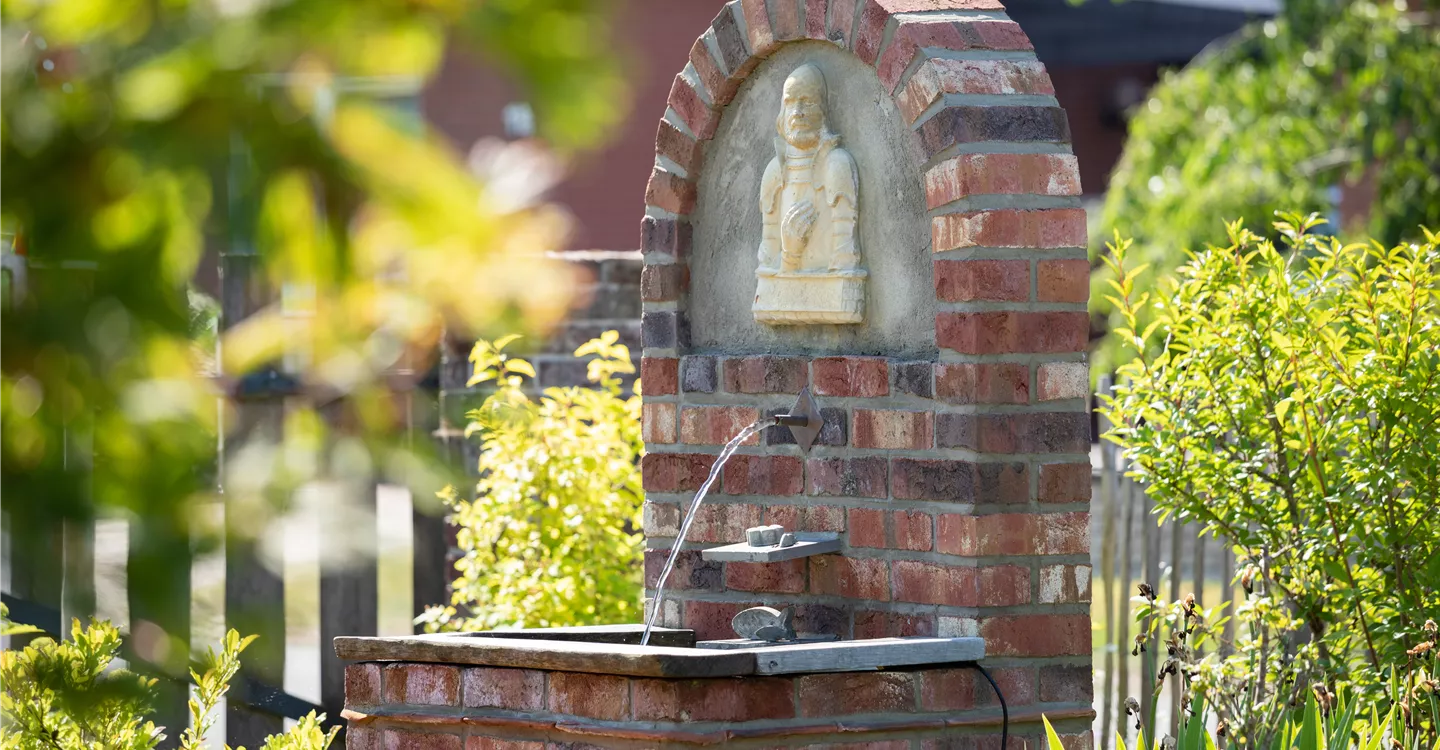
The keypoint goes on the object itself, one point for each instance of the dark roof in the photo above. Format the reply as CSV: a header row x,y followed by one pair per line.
x,y
1106,32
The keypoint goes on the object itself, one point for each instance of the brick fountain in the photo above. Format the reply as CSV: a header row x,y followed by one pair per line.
x,y
874,201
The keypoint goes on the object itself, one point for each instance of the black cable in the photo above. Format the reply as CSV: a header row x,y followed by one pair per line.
x,y
1004,709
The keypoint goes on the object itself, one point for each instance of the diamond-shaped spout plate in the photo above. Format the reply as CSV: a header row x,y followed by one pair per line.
x,y
805,434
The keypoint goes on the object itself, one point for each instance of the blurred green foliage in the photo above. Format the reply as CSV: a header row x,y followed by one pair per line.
x,y
140,139
552,535
1327,93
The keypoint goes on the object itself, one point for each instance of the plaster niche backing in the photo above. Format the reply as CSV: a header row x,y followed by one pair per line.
x,y
889,241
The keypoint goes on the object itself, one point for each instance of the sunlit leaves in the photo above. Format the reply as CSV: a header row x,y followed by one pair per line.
x,y
552,534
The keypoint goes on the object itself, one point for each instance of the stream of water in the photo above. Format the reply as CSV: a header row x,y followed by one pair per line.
x,y
725,454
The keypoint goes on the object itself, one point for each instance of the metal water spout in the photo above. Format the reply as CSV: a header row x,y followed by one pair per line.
x,y
804,421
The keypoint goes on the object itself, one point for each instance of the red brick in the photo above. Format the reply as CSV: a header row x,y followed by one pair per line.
x,y
912,530
1063,280
910,37
400,739
1066,683
867,527
846,477
692,572
786,577
1044,228
765,374
757,27
1004,586
674,472
850,577
815,11
363,738
478,742
787,20
983,280
716,425
806,518
1010,332
422,684
657,423
712,78
670,191
711,620
593,696
665,236
939,76
726,699
856,693
697,115
949,689
893,430
842,21
931,583
664,283
1059,381
1065,483
1036,635
860,377
513,689
660,520
1033,534
956,534
999,383
678,147
1001,174
1017,683
779,476
1081,741
724,523
875,624
659,376
871,31
362,684
1064,584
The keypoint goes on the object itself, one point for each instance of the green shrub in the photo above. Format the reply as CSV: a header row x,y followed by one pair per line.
x,y
65,696
1293,409
552,537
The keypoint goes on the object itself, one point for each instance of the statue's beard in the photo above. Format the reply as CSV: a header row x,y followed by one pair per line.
x,y
801,137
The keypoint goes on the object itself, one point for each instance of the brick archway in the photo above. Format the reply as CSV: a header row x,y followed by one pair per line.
x,y
960,483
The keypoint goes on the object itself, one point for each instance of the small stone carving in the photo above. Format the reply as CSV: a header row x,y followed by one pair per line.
x,y
787,539
764,536
765,624
809,270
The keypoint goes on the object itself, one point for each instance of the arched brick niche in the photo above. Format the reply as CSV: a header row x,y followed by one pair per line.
x,y
955,465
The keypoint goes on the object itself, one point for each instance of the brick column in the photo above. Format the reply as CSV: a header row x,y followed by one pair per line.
x,y
961,482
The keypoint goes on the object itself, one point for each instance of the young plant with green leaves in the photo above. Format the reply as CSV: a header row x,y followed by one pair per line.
x,y
552,535
1287,399
66,695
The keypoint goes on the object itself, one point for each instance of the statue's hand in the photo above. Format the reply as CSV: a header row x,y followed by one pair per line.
x,y
797,225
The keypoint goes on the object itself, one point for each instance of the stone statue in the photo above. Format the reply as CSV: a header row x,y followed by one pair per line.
x,y
809,269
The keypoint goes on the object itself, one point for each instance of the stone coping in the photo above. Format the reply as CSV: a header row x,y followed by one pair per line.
x,y
660,661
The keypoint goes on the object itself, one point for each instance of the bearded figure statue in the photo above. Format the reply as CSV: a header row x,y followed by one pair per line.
x,y
809,260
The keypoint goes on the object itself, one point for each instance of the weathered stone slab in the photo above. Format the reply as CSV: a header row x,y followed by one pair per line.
x,y
806,544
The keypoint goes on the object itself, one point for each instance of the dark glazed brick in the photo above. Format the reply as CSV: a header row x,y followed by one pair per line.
x,y
733,51
664,330
1066,684
912,378
975,124
955,431
1002,483
939,480
846,477
823,619
698,374
663,236
691,571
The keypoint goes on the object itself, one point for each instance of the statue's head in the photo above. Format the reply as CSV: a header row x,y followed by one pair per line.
x,y
802,107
